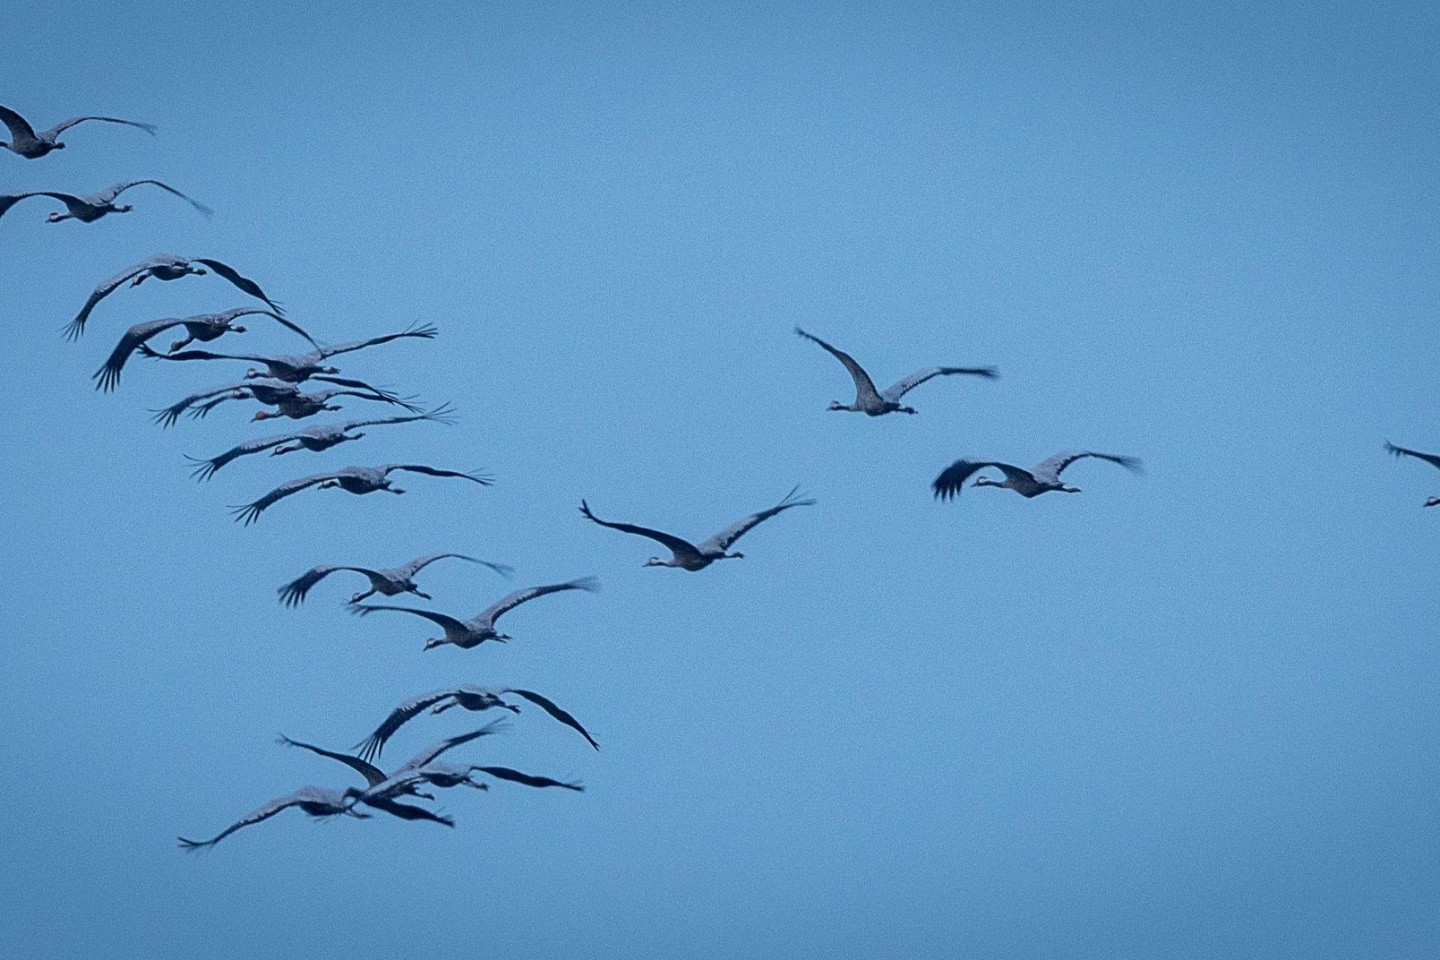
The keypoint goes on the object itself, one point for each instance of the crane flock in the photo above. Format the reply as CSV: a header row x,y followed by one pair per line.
x,y
274,380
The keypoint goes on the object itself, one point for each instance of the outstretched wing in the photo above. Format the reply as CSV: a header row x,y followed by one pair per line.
x,y
435,749
479,478
373,775
150,354
250,512
676,545
554,709
108,376
405,811
513,600
8,200
448,624
20,129
373,745
207,468
902,387
77,326
529,780
287,324
303,795
440,414
109,194
293,593
1429,458
952,479
420,563
60,128
425,332
242,283
864,386
1054,466
722,540
167,416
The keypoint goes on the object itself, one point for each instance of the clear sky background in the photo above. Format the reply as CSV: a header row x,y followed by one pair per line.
x,y
1188,714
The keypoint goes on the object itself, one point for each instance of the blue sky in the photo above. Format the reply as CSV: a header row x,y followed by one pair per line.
x,y
1188,714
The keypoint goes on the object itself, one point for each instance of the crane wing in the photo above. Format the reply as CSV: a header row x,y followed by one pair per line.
x,y
20,129
513,600
433,751
373,745
864,386
293,593
60,128
108,376
722,540
425,332
373,775
109,194
1051,468
952,479
676,545
902,387
1429,458
250,512
479,478
529,780
554,709
303,795
77,326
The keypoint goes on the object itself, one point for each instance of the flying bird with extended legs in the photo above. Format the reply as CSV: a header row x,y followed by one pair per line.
x,y
314,439
685,555
356,480
1044,477
89,208
466,634
874,402
25,142
390,582
165,266
287,398
203,327
467,696
297,368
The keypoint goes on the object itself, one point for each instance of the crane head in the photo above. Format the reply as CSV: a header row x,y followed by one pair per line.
x,y
56,217
836,405
434,642
1433,502
654,562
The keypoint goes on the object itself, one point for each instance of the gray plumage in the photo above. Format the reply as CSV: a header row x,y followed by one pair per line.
x,y
480,628
685,555
287,398
91,207
874,402
165,266
316,801
26,142
468,697
1044,477
297,368
356,480
391,582
203,327
315,439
